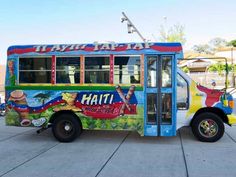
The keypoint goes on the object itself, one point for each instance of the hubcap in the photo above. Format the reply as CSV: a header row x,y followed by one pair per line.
x,y
208,128
67,127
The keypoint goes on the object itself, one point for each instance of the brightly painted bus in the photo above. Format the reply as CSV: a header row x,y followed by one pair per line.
x,y
111,86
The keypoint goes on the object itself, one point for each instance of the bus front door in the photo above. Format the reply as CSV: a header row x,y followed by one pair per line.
x,y
160,97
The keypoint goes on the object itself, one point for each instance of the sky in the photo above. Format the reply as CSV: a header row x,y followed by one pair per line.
x,y
86,21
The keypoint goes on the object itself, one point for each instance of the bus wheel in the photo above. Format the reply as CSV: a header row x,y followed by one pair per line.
x,y
66,127
208,127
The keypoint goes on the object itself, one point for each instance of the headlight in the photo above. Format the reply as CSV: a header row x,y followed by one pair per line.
x,y
231,104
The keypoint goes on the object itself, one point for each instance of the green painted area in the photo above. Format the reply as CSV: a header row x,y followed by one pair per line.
x,y
13,117
127,122
68,87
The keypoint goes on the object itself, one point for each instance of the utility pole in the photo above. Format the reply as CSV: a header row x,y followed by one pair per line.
x,y
131,27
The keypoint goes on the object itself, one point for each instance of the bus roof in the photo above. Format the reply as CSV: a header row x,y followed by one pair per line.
x,y
95,48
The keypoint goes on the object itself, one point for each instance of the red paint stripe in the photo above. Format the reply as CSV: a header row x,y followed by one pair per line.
x,y
91,49
53,76
21,51
167,49
81,69
111,69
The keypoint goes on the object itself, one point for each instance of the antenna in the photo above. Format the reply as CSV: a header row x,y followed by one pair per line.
x,y
131,27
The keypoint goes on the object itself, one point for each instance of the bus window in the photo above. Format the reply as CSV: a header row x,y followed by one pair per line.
x,y
182,93
127,70
166,71
97,69
151,108
152,72
68,70
166,108
35,70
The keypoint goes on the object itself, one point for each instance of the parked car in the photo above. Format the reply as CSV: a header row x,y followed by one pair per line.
x,y
2,109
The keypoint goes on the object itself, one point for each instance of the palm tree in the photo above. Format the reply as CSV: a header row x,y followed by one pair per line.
x,y
42,97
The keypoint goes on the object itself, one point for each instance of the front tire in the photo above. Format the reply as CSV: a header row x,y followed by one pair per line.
x,y
66,128
208,127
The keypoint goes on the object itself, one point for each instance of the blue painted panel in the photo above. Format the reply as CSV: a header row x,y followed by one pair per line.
x,y
150,130
167,130
170,130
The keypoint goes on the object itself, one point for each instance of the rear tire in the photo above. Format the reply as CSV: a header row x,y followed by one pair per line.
x,y
66,127
208,127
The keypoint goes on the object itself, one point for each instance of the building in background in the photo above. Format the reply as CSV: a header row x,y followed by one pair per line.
x,y
2,81
198,66
228,52
197,63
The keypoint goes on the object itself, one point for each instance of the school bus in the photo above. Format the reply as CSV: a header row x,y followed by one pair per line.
x,y
110,86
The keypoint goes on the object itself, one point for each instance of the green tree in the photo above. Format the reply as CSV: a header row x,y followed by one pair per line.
x,y
232,43
211,46
218,67
217,43
173,34
42,97
202,48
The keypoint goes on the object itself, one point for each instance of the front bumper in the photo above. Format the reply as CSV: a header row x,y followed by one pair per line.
x,y
231,119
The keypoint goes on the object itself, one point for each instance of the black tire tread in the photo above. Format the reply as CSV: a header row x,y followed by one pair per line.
x,y
208,115
76,125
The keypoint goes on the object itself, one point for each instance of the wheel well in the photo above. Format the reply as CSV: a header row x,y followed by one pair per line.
x,y
216,111
54,116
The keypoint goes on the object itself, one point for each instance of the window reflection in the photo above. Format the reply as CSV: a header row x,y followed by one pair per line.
x,y
151,107
152,71
35,70
166,71
127,70
97,69
68,70
182,93
166,108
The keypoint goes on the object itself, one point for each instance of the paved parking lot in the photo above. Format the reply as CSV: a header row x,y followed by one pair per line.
x,y
113,154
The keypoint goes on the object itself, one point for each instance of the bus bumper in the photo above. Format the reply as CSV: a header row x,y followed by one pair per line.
x,y
231,119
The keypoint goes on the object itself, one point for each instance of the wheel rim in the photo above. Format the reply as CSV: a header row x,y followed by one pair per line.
x,y
65,129
208,128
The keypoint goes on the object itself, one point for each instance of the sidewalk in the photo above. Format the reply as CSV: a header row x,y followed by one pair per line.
x,y
113,154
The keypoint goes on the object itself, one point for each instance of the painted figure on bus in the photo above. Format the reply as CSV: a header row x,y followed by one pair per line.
x,y
18,102
11,70
20,105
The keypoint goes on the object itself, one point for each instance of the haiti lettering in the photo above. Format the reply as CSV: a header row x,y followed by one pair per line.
x,y
108,105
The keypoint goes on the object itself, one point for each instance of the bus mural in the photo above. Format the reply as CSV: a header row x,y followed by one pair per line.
x,y
125,86
35,108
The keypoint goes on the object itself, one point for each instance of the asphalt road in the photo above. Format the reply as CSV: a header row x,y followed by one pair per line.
x,y
114,154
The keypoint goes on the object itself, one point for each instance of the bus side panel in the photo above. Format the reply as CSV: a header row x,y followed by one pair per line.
x,y
117,109
202,97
